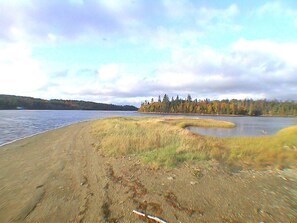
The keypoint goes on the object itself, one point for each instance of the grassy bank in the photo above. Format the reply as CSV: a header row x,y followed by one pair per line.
x,y
166,142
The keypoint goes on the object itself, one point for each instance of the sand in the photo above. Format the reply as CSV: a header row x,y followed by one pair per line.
x,y
59,176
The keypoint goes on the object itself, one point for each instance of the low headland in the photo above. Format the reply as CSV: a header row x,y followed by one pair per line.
x,y
12,102
99,171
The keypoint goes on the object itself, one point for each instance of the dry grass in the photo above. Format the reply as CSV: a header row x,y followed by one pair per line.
x,y
166,142
279,150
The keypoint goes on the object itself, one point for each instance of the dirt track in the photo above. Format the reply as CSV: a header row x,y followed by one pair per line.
x,y
59,176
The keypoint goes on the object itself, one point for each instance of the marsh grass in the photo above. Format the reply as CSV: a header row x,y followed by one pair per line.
x,y
279,150
166,142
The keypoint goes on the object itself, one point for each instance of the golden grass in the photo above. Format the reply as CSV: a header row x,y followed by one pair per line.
x,y
279,150
166,142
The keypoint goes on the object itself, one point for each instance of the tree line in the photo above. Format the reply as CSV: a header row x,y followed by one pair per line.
x,y
248,107
20,102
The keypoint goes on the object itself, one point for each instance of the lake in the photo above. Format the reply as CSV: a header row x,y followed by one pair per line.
x,y
16,124
247,126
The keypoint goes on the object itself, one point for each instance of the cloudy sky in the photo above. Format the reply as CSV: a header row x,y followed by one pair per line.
x,y
126,51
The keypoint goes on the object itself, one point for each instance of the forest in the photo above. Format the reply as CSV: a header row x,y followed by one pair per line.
x,y
248,107
20,102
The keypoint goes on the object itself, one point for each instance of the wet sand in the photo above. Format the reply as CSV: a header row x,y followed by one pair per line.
x,y
60,176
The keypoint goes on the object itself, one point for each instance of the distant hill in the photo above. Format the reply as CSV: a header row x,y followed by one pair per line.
x,y
20,102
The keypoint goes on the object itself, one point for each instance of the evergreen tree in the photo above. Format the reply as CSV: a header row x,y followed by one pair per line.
x,y
189,98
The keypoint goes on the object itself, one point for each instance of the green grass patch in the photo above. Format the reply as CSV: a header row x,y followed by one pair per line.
x,y
165,142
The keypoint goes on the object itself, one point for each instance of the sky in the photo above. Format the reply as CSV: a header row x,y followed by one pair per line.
x,y
128,51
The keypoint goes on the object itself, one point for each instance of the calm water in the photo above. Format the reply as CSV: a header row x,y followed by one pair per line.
x,y
248,126
16,124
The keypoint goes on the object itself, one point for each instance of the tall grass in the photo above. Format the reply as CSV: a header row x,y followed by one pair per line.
x,y
166,142
279,150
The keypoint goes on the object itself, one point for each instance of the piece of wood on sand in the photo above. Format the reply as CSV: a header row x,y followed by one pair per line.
x,y
154,218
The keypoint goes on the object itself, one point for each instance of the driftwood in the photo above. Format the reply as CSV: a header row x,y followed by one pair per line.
x,y
156,219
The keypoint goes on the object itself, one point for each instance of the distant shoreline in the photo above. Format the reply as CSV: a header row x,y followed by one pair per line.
x,y
65,110
13,102
216,115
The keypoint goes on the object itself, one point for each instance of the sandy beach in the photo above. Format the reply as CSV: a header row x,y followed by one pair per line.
x,y
60,176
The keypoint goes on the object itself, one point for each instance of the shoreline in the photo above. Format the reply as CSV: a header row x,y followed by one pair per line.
x,y
45,131
145,113
116,113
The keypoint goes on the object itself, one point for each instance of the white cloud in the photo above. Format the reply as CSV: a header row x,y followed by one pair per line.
x,y
279,10
253,69
178,8
34,21
109,81
213,15
108,72
118,5
162,38
275,8
285,52
19,72
270,7
52,37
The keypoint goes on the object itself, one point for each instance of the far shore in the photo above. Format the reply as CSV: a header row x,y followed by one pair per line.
x,y
223,115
